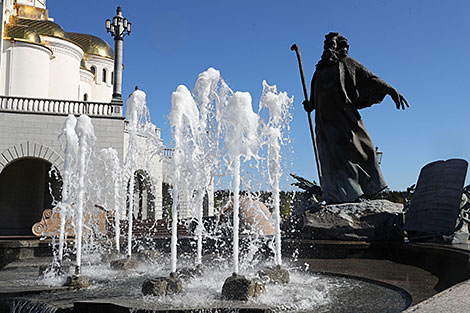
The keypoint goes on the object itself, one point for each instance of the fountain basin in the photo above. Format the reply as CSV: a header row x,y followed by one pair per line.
x,y
422,270
117,291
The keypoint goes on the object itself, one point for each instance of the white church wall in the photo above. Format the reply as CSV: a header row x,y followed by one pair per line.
x,y
86,80
25,69
101,91
9,6
3,68
41,4
64,68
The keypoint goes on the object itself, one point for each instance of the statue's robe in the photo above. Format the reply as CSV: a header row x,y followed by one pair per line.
x,y
347,155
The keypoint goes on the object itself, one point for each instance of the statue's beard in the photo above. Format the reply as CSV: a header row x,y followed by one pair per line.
x,y
330,56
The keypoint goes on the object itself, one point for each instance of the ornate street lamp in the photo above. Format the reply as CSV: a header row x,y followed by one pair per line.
x,y
118,28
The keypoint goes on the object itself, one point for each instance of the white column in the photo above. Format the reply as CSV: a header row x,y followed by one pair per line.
x,y
117,87
2,30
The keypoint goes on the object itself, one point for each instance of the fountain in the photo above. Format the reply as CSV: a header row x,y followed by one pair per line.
x,y
70,142
139,125
85,133
112,165
216,131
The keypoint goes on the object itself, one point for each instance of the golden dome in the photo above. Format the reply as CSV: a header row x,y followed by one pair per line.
x,y
92,44
45,28
22,33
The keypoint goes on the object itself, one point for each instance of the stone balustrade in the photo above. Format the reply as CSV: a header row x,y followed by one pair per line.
x,y
61,107
168,153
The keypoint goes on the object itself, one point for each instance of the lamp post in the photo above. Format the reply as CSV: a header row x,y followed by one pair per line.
x,y
119,27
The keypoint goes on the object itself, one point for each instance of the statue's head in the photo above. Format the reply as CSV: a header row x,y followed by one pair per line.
x,y
335,47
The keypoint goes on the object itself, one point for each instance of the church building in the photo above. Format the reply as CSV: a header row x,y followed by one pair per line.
x,y
47,73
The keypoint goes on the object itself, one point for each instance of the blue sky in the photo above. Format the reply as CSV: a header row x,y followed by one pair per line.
x,y
419,47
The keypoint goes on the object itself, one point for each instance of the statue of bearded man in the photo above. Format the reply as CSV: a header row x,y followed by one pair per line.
x,y
340,87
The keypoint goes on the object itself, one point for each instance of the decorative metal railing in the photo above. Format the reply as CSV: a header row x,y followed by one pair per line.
x,y
53,106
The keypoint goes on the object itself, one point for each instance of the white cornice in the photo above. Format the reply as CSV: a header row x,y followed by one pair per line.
x,y
63,46
91,59
86,76
32,45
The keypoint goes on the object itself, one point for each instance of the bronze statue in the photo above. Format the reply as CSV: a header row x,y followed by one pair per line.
x,y
340,87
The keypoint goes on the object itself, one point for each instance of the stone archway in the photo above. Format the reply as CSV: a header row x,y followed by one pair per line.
x,y
25,185
144,196
167,200
32,150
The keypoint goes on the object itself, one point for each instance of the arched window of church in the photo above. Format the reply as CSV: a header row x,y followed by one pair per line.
x,y
104,75
112,78
93,70
85,97
167,200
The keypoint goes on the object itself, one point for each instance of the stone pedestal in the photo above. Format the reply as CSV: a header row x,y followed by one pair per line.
x,y
77,282
238,287
154,287
161,286
274,275
369,220
174,284
123,264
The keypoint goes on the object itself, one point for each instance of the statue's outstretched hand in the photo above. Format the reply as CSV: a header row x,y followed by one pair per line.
x,y
398,98
307,106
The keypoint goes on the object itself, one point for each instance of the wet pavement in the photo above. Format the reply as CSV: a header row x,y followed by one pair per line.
x,y
452,300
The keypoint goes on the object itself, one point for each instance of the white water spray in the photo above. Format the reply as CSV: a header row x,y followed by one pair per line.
x,y
279,105
69,141
199,122
240,126
138,116
196,142
113,165
184,114
86,139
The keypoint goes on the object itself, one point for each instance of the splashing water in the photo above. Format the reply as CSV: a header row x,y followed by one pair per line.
x,y
138,116
213,114
112,165
86,196
196,144
86,140
279,105
69,141
183,109
240,125
77,139
214,128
